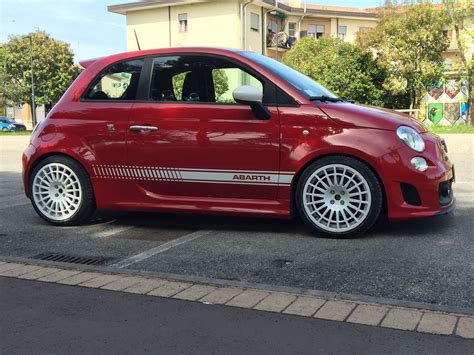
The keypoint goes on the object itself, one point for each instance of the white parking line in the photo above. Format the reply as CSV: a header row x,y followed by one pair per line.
x,y
112,231
5,204
160,249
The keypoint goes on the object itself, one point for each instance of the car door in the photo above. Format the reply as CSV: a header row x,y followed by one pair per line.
x,y
101,121
192,139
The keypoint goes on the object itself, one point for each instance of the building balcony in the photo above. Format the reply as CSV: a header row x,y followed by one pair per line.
x,y
280,40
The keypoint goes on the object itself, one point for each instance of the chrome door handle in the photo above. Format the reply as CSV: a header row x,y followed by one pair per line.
x,y
143,128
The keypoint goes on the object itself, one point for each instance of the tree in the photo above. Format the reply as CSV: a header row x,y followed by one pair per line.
x,y
52,65
3,103
407,43
457,13
339,66
221,83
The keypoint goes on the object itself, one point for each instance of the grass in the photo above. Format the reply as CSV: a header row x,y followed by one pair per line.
x,y
15,133
452,129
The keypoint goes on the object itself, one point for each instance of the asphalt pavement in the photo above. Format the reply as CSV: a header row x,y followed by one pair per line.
x,y
43,318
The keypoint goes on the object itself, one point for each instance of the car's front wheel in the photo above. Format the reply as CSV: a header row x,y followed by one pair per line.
x,y
339,196
61,191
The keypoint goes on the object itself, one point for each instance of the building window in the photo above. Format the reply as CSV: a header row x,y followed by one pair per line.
x,y
342,32
183,23
292,29
272,26
316,31
254,22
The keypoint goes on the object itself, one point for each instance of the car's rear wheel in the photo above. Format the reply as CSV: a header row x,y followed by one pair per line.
x,y
61,191
339,196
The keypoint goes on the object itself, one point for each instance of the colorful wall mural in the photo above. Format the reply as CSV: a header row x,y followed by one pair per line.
x,y
445,103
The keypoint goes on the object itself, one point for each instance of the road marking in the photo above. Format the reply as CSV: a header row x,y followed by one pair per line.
x,y
13,201
88,229
15,205
112,231
162,248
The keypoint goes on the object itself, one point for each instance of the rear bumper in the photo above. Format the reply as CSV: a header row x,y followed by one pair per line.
x,y
27,159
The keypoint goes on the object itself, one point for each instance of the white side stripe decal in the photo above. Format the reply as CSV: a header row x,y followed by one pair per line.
x,y
246,177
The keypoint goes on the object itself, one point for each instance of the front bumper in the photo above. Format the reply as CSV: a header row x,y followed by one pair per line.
x,y
413,194
451,208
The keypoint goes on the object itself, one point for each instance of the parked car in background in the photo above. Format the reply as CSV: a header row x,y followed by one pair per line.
x,y
228,131
8,124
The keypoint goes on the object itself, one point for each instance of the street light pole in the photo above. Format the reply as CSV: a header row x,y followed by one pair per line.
x,y
33,105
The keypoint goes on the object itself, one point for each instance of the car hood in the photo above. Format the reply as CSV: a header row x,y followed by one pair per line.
x,y
354,115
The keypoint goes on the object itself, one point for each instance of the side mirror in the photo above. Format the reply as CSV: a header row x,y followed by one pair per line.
x,y
251,96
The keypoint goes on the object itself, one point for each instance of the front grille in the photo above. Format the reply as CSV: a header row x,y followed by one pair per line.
x,y
445,193
410,194
71,259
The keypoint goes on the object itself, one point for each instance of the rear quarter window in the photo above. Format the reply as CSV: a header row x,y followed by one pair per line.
x,y
118,82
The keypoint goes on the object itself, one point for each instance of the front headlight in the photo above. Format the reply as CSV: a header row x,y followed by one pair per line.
x,y
411,138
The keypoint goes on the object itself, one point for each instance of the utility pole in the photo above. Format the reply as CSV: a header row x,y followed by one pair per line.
x,y
33,105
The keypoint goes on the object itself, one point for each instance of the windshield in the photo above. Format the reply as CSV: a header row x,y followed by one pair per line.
x,y
302,83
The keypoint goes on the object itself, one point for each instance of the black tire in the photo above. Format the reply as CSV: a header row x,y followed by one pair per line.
x,y
87,202
376,203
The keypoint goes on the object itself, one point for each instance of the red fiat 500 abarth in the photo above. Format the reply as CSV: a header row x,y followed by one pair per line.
x,y
231,132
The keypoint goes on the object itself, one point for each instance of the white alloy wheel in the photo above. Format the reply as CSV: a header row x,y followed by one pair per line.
x,y
57,192
337,198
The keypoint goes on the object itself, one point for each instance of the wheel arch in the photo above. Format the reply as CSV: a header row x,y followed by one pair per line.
x,y
41,158
297,177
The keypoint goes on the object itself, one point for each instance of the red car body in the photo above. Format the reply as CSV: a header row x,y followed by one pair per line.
x,y
162,171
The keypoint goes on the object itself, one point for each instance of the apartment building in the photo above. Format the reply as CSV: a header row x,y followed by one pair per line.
x,y
269,27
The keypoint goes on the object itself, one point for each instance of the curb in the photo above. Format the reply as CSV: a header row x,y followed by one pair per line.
x,y
245,284
299,302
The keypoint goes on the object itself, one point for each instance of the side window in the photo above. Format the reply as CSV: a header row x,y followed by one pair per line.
x,y
169,74
118,82
194,78
226,80
178,83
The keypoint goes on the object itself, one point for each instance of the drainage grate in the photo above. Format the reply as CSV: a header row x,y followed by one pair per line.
x,y
71,259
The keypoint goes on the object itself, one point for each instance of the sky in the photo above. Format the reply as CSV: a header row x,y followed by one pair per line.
x,y
86,25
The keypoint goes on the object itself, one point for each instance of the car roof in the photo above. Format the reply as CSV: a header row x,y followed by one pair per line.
x,y
157,51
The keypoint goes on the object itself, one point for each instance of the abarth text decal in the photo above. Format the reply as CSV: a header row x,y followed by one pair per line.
x,y
248,177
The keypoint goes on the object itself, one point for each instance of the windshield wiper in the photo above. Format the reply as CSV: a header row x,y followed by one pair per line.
x,y
326,99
